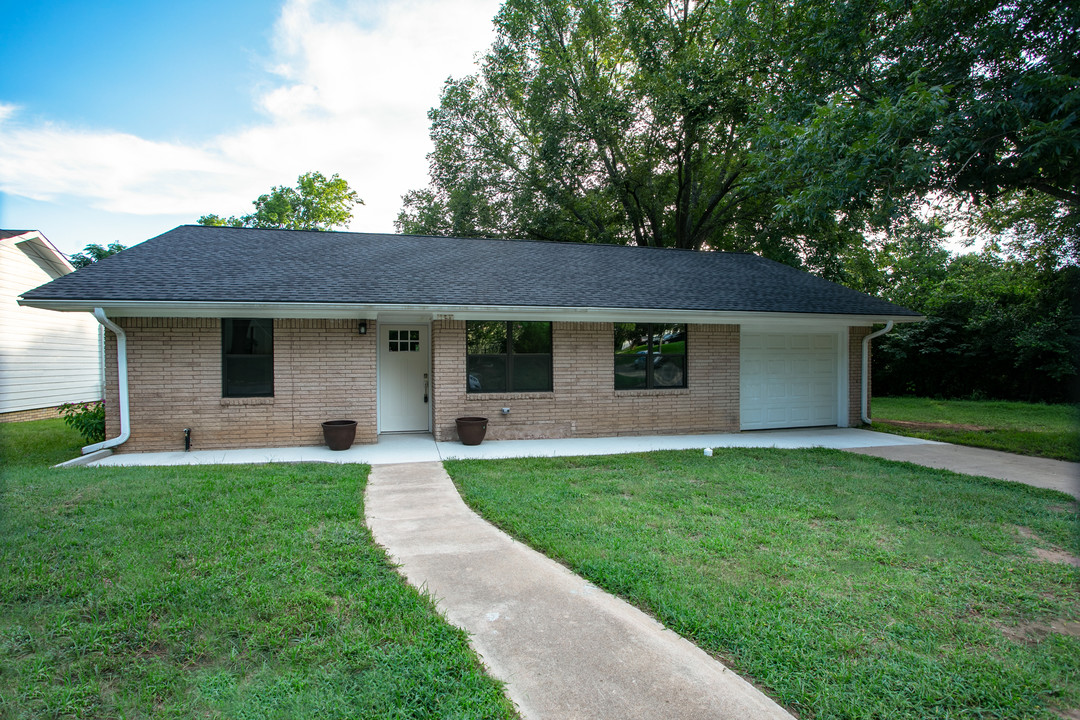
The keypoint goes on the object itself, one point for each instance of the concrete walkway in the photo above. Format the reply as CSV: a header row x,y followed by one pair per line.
x,y
565,648
1040,472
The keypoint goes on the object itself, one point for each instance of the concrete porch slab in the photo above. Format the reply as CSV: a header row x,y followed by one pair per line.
x,y
413,448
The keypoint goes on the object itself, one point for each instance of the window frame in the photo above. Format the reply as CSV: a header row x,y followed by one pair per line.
x,y
651,330
509,367
267,325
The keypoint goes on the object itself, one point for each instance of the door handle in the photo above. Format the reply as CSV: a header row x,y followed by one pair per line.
x,y
425,387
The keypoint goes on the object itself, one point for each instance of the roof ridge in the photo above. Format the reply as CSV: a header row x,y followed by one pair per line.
x,y
535,241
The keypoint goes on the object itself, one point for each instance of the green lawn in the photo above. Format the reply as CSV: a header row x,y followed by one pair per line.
x,y
214,591
1025,428
845,586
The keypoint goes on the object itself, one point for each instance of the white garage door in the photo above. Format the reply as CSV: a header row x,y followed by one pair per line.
x,y
787,380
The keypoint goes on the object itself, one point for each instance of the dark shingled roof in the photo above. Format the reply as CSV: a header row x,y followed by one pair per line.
x,y
5,234
221,264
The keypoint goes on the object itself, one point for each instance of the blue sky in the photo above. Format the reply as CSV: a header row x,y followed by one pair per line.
x,y
121,120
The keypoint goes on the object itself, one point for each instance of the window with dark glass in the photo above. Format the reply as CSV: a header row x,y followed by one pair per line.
x,y
508,356
247,357
649,355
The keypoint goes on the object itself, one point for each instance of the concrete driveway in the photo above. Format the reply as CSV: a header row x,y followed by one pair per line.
x,y
1040,472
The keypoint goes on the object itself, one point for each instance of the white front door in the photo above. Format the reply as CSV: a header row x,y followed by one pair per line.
x,y
404,390
787,380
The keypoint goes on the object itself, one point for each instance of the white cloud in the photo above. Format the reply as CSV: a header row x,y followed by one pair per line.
x,y
353,83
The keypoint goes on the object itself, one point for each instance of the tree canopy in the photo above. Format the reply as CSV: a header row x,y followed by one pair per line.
x,y
886,102
316,203
626,122
787,129
94,252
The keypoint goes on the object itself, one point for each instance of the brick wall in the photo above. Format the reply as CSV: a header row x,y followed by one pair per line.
x,y
323,370
584,402
45,413
855,338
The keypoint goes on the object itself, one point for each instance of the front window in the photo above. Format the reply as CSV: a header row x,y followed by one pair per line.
x,y
508,356
247,357
649,355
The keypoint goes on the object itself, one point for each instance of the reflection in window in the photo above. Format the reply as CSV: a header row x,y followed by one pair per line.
x,y
247,357
649,355
509,356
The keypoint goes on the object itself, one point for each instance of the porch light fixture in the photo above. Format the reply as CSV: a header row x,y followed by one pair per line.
x,y
363,327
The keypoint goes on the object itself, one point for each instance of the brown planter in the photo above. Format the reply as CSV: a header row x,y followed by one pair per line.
x,y
339,434
471,430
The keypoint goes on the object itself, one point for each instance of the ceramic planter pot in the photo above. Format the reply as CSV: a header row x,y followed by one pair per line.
x,y
339,434
471,430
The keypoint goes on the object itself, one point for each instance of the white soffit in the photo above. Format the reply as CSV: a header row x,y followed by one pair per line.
x,y
423,313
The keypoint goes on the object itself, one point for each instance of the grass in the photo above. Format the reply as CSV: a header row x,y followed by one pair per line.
x,y
211,591
1051,431
846,586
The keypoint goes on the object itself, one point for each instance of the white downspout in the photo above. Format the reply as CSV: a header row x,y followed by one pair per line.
x,y
122,374
866,371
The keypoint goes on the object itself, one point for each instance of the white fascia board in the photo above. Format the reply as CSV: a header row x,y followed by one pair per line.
x,y
460,312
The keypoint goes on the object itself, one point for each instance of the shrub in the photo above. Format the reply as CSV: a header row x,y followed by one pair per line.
x,y
88,418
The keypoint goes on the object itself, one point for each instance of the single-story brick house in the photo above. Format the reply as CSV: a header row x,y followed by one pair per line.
x,y
252,338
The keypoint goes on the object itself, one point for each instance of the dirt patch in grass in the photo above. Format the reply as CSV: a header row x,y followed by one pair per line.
x,y
1057,556
1033,632
912,425
1053,554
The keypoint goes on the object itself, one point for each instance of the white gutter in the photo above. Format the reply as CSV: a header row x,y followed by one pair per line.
x,y
374,311
866,370
122,373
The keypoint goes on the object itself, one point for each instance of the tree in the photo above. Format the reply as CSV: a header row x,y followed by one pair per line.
x,y
998,325
886,103
94,252
600,121
316,203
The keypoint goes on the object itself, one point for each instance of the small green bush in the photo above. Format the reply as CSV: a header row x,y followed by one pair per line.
x,y
88,418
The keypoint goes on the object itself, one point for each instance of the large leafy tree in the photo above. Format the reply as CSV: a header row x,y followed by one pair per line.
x,y
316,203
886,102
596,120
789,129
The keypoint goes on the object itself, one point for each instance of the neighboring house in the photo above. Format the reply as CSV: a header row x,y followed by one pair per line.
x,y
254,337
46,359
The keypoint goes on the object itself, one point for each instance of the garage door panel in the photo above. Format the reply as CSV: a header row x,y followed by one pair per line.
x,y
797,416
776,391
799,391
775,415
788,380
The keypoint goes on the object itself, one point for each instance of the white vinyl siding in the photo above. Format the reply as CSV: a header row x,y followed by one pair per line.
x,y
788,380
46,357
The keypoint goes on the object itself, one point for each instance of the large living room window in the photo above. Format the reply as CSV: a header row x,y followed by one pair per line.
x,y
649,355
508,356
247,357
